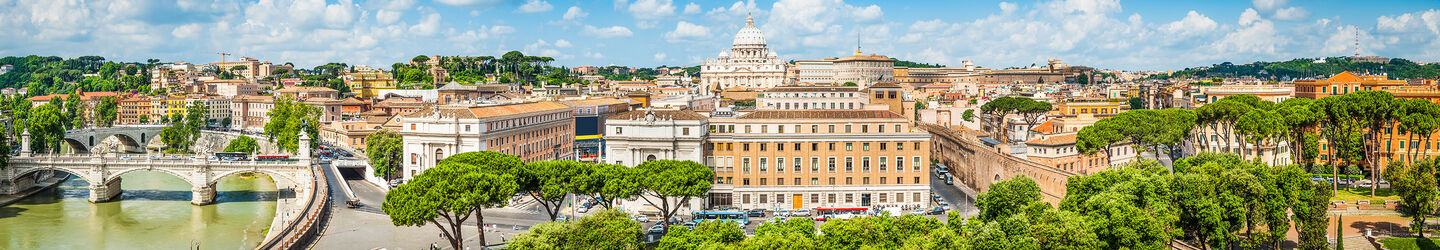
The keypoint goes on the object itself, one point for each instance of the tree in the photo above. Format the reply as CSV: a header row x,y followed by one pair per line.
x,y
1415,183
287,118
144,119
994,113
243,144
1007,197
1375,110
850,84
611,182
919,105
1310,215
669,184
968,116
710,232
47,128
385,150
106,112
225,122
608,229
549,182
1136,103
1031,112
450,192
75,111
419,59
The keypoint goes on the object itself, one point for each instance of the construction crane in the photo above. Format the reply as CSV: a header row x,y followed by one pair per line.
x,y
222,60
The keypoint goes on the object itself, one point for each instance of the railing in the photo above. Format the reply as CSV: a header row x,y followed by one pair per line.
x,y
304,228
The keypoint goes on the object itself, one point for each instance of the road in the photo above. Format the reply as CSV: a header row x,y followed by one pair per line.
x,y
958,195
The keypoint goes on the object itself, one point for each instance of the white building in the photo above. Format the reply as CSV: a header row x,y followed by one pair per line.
x,y
816,71
533,131
864,70
807,97
748,64
648,134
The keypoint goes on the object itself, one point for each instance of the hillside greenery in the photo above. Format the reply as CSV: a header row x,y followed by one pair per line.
x,y
1397,68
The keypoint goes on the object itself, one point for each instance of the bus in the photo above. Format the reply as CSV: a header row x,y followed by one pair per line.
x,y
739,218
824,214
272,158
232,156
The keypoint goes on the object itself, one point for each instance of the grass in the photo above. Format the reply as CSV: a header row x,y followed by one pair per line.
x,y
1355,194
1408,243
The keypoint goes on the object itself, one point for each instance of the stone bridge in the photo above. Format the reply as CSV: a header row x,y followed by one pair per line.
x,y
978,165
103,171
132,137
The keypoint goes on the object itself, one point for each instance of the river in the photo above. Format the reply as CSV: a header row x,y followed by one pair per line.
x,y
154,212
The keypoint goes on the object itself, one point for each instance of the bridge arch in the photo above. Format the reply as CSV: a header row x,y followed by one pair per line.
x,y
116,175
76,172
219,176
76,146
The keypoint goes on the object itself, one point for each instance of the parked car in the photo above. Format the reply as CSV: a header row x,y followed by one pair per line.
x,y
756,213
941,169
803,212
690,224
936,211
777,219
918,211
782,213
949,180
640,218
659,228
1362,184
945,205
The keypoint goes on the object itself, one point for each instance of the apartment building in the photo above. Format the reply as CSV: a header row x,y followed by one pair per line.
x,y
534,131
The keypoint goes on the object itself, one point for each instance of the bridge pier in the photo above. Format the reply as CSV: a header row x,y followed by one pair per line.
x,y
202,195
105,192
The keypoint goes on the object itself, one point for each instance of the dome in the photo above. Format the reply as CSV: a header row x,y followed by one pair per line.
x,y
749,34
723,54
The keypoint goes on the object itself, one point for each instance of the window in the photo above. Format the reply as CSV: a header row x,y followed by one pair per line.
x,y
762,146
849,180
814,164
917,181
745,199
882,180
832,165
849,198
899,146
882,145
899,164
917,164
847,128
747,128
685,131
832,146
864,128
762,166
746,181
832,128
849,146
619,130
439,154
865,181
897,128
814,198
778,129
832,181
745,147
814,128
881,128
883,160
467,128
849,164
865,164
764,198
796,164
764,129
797,181
915,196
779,181
779,164
414,158
745,165
412,126
762,181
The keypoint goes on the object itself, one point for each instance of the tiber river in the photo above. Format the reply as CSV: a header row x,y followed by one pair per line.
x,y
154,212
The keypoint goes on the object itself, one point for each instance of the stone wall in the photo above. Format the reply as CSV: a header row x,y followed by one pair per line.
x,y
978,166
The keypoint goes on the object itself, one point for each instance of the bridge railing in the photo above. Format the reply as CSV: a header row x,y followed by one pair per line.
x,y
305,227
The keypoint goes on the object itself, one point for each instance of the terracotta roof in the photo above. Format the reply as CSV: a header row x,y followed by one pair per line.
x,y
322,100
510,109
1053,140
252,98
885,85
661,114
594,102
821,114
44,98
353,101
1046,127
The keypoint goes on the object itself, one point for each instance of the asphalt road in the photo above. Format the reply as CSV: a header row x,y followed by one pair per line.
x,y
960,197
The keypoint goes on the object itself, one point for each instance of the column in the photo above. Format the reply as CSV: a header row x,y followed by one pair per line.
x,y
304,146
202,195
105,192
25,144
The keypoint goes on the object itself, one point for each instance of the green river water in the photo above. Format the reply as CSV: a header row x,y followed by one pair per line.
x,y
154,212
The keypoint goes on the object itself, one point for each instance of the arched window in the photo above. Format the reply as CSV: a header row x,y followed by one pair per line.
x,y
439,154
414,158
650,158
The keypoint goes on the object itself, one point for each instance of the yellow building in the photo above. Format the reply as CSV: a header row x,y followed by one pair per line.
x,y
1101,108
366,83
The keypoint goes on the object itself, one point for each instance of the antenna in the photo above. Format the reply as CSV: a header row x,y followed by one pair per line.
x,y
1357,42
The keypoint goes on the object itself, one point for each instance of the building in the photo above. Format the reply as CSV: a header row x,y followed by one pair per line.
x,y
820,71
6,69
249,68
533,131
308,92
1272,93
136,110
1346,82
893,97
784,159
864,70
366,82
749,63
648,134
1101,108
792,97
1058,151
590,115
585,70
249,112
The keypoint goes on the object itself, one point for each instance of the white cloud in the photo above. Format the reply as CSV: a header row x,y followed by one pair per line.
x,y
1008,7
427,26
1342,42
607,32
467,2
534,6
562,43
1267,5
659,57
1086,6
1249,16
651,9
1291,14
1256,36
692,8
480,34
687,31
1193,24
186,31
387,16
575,13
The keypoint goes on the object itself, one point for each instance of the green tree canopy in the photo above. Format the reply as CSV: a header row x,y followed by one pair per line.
x,y
285,123
446,196
243,144
384,148
669,184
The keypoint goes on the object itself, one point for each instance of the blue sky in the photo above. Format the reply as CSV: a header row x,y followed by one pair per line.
x,y
1131,35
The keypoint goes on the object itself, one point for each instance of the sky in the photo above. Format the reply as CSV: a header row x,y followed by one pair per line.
x,y
1109,34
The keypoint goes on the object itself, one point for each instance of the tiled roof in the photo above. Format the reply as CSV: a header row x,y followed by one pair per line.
x,y
813,89
594,102
1053,140
353,101
885,85
821,114
510,109
298,89
1046,127
662,114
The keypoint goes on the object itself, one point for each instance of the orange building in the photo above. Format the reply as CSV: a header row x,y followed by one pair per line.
x,y
1059,151
1394,144
1344,83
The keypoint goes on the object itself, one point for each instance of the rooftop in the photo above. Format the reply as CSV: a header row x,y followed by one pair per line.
x,y
661,114
1054,140
821,114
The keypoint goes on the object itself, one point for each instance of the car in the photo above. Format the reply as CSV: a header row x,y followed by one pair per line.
x,y
935,211
690,224
641,218
803,212
937,197
659,228
775,220
945,205
560,218
757,213
918,211
674,220
949,180
941,170
782,213
1362,184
